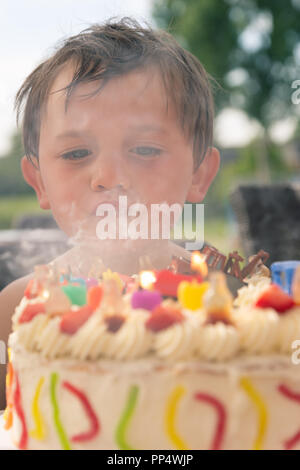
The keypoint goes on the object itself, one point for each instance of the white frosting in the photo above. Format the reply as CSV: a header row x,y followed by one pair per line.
x,y
288,330
178,341
29,333
248,295
258,329
217,342
132,340
51,342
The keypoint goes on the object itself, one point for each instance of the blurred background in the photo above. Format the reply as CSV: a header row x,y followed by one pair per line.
x,y
251,48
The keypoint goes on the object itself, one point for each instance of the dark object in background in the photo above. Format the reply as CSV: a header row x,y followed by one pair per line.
x,y
33,221
21,250
269,219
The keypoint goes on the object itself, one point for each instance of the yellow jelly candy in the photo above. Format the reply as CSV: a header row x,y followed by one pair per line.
x,y
190,294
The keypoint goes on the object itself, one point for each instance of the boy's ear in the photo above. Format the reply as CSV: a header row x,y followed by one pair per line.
x,y
32,176
204,176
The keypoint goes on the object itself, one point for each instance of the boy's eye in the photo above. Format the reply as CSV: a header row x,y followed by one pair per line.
x,y
147,151
77,154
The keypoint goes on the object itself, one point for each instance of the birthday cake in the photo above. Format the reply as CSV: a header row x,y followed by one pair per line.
x,y
161,360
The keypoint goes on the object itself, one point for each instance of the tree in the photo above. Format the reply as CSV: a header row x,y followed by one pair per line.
x,y
251,47
11,178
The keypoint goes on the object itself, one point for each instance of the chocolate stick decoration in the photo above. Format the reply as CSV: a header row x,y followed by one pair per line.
x,y
218,261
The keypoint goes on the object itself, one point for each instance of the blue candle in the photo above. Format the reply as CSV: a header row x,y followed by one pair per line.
x,y
283,273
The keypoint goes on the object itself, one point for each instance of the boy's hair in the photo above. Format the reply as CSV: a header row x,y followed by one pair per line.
x,y
102,52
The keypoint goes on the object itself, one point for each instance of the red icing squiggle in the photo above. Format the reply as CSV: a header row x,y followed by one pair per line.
x,y
95,425
288,393
20,413
222,417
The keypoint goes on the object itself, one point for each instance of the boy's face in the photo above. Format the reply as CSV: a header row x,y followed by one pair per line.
x,y
123,141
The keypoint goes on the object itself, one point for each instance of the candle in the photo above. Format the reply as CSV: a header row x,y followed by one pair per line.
x,y
296,286
190,294
146,299
94,296
217,300
78,280
147,279
198,263
167,282
282,274
91,282
112,300
56,300
76,294
108,274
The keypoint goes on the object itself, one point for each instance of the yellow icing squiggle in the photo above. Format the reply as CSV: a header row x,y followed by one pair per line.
x,y
170,417
262,411
39,431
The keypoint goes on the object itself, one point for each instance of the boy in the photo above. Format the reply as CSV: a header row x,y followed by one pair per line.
x,y
117,110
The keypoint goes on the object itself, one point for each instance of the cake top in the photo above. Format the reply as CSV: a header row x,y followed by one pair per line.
x,y
161,314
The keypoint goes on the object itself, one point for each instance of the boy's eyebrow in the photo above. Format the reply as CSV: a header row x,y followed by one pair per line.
x,y
71,133
141,128
149,127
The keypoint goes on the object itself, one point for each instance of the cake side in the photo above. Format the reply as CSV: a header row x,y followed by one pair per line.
x,y
146,404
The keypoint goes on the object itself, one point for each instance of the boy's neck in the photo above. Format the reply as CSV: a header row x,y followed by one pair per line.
x,y
91,258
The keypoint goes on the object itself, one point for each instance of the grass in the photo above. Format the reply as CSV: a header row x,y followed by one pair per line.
x,y
13,207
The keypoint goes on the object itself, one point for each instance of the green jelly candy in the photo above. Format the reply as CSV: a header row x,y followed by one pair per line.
x,y
76,294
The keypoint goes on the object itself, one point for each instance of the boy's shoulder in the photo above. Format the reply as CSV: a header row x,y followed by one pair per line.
x,y
12,294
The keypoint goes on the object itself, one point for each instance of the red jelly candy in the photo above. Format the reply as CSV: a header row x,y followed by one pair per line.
x,y
30,311
274,297
162,317
73,320
94,296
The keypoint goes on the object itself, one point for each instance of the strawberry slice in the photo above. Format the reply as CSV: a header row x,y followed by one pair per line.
x,y
162,317
73,320
31,311
274,297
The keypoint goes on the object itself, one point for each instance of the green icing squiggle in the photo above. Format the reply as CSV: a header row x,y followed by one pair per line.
x,y
125,419
57,422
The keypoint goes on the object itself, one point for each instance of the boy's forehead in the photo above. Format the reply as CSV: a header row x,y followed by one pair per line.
x,y
144,87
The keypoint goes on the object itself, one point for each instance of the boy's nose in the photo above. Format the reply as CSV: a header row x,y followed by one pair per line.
x,y
109,175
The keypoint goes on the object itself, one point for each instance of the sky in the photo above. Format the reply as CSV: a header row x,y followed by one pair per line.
x,y
29,30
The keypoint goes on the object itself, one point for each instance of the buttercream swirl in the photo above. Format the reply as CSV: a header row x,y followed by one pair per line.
x,y
51,342
29,333
255,331
258,329
248,295
217,342
132,340
289,330
21,307
179,341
